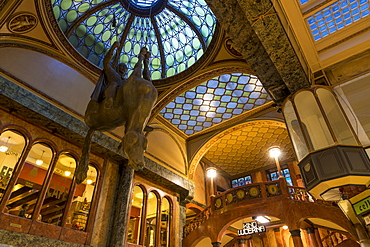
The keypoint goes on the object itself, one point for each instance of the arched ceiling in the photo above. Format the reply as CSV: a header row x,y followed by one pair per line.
x,y
246,149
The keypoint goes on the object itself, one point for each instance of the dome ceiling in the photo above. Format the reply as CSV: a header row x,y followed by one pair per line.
x,y
176,32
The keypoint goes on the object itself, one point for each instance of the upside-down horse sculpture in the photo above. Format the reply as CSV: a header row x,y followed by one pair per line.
x,y
118,102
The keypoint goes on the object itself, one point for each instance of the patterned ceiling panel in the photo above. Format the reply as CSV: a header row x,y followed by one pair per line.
x,y
214,101
244,150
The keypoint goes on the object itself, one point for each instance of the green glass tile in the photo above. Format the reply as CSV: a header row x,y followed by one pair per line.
x,y
223,104
193,118
188,101
228,92
234,99
179,106
190,127
240,106
210,90
229,110
251,101
184,122
263,96
234,79
217,97
222,85
246,94
176,116
199,123
218,115
186,112
240,87
196,107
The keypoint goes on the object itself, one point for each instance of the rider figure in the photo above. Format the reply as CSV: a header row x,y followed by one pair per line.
x,y
115,78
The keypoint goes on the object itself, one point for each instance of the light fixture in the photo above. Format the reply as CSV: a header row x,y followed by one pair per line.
x,y
211,172
68,172
4,148
285,227
89,181
39,162
274,152
262,219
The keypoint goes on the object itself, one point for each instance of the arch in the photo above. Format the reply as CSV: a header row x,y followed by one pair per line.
x,y
207,145
21,66
167,148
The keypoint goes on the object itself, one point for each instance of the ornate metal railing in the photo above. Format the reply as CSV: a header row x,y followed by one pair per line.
x,y
252,193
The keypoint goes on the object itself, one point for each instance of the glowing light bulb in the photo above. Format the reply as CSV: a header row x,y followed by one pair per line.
x,y
39,162
3,149
274,152
67,173
89,181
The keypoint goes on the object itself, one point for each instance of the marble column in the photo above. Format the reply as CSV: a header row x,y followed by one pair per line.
x,y
318,237
312,237
118,228
242,242
362,235
250,243
216,244
296,235
279,241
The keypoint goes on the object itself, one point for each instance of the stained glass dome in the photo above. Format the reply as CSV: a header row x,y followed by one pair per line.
x,y
176,32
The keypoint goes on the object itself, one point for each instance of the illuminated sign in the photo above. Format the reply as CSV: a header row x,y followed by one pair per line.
x,y
362,206
251,228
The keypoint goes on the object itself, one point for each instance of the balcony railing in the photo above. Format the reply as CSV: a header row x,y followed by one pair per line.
x,y
253,193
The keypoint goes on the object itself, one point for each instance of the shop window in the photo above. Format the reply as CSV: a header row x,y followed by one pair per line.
x,y
82,199
165,223
26,190
136,215
151,220
11,148
241,181
56,198
273,175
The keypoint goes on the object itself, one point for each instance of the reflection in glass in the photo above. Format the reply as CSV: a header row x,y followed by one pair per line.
x,y
135,215
26,190
11,148
165,223
336,118
295,131
83,195
151,220
311,116
57,195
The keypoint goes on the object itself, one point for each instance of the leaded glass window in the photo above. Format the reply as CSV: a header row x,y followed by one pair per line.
x,y
337,16
214,101
176,32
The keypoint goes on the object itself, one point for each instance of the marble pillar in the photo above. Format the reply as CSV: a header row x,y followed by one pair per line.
x,y
250,243
242,242
118,228
362,235
296,235
279,240
312,237
318,237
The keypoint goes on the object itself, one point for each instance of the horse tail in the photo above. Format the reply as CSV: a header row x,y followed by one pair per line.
x,y
83,165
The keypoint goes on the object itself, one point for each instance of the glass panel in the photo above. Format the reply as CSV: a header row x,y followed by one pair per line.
x,y
295,131
337,16
313,120
82,199
234,183
56,198
354,97
336,119
25,193
135,215
151,220
11,148
165,223
287,176
214,101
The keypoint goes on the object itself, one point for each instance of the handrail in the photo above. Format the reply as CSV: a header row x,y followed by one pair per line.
x,y
278,188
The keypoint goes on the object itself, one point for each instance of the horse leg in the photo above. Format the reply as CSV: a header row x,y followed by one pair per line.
x,y
83,165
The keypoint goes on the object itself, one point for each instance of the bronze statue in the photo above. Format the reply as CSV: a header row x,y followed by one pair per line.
x,y
122,102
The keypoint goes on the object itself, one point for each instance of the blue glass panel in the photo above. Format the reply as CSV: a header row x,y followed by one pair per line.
x,y
344,12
